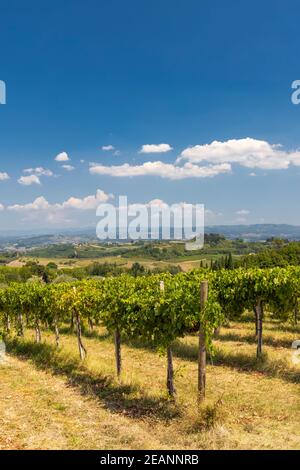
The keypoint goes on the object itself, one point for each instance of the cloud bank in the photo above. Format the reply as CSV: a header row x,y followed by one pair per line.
x,y
86,203
248,152
164,170
208,160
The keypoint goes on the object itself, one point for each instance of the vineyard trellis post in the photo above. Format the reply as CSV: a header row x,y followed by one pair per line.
x,y
20,325
202,345
170,369
56,332
259,313
256,321
37,331
82,350
8,324
118,352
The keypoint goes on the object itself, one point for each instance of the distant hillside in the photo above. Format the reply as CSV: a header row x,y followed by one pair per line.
x,y
257,231
254,232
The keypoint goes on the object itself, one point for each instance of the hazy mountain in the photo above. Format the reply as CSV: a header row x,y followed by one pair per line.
x,y
247,232
257,231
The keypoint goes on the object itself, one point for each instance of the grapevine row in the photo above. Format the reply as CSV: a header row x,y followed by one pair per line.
x,y
155,309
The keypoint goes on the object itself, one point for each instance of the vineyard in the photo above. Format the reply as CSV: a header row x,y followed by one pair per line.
x,y
155,309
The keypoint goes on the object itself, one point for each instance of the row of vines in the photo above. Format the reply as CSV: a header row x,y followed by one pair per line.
x,y
156,309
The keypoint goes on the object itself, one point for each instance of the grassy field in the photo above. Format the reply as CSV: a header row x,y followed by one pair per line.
x,y
186,263
119,260
154,255
49,400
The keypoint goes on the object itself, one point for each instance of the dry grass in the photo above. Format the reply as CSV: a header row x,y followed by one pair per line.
x,y
49,400
186,265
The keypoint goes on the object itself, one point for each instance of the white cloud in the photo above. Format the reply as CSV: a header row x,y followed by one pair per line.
x,y
1,207
203,161
62,157
248,152
157,202
39,171
40,203
3,176
68,167
29,180
155,148
243,212
107,148
164,170
86,203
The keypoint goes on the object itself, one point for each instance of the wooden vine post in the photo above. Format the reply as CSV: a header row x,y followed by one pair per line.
x,y
20,325
118,352
256,321
37,331
56,332
170,369
259,328
8,327
202,346
82,350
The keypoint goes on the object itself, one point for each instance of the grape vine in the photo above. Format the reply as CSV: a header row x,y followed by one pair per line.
x,y
155,309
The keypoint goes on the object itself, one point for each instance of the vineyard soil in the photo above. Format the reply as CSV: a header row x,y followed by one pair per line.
x,y
50,400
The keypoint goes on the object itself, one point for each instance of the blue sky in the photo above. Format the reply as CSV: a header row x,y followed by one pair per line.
x,y
210,79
